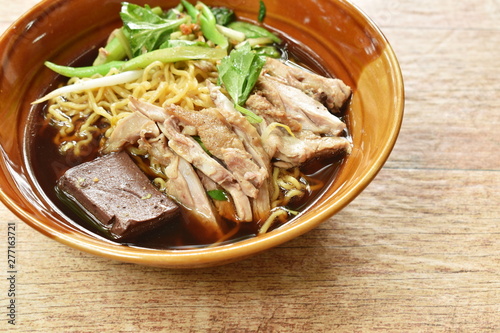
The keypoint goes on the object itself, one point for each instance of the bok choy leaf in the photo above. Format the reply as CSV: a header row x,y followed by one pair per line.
x,y
239,72
145,30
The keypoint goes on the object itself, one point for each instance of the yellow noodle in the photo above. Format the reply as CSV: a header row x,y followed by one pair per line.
x,y
79,113
269,222
290,195
160,184
227,235
276,190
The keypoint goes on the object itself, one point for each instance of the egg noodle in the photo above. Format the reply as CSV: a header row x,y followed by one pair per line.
x,y
86,117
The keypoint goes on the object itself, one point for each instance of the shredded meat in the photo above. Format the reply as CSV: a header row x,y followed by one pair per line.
x,y
295,151
251,139
267,103
295,106
220,140
333,93
237,156
187,148
129,130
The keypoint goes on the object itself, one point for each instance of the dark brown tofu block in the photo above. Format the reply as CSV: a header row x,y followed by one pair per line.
x,y
118,195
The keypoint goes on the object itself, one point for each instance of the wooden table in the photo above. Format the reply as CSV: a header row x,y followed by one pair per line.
x,y
417,251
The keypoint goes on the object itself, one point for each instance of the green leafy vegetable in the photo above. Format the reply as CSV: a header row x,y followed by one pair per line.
x,y
146,30
181,42
239,72
172,13
218,195
262,11
268,51
207,22
233,35
209,28
254,31
191,10
223,15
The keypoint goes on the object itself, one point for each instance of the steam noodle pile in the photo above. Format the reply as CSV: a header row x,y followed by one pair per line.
x,y
83,117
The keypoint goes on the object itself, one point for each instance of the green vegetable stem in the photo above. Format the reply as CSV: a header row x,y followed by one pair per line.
x,y
113,51
254,31
173,54
84,71
207,21
179,53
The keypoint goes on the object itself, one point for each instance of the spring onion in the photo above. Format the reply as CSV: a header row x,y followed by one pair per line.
x,y
218,195
81,85
174,54
88,71
167,55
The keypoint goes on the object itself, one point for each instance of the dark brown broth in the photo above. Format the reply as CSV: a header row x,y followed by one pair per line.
x,y
49,165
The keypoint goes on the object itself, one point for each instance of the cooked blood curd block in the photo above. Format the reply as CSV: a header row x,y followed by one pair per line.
x,y
115,193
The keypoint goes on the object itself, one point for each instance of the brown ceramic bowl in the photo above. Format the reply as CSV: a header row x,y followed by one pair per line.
x,y
344,40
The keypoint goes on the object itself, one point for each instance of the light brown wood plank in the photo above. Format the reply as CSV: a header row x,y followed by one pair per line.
x,y
417,251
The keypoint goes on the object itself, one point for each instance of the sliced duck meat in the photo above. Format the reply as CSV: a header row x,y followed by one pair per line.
x,y
271,137
251,138
292,151
261,205
222,142
331,92
117,195
184,186
312,115
129,130
225,207
192,152
267,103
240,125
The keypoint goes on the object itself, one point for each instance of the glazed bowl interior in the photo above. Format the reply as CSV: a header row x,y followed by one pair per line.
x,y
342,40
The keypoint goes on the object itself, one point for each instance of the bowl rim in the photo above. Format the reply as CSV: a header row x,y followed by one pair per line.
x,y
234,251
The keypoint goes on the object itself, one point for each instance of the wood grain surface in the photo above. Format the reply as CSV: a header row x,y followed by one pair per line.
x,y
417,251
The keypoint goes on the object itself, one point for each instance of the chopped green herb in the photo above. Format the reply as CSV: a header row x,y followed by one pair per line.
x,y
223,15
218,195
198,139
262,11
